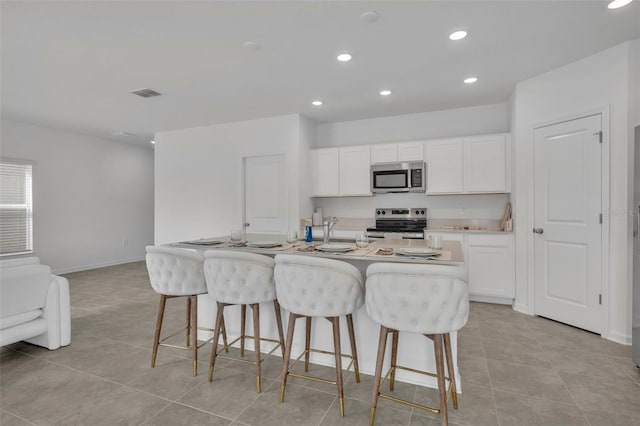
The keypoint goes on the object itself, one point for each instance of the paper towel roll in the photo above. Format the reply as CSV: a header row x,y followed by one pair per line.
x,y
317,219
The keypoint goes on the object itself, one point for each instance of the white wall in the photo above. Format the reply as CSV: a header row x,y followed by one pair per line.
x,y
89,195
598,81
199,174
423,126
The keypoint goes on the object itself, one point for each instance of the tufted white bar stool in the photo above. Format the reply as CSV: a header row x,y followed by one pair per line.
x,y
315,287
432,300
175,272
236,278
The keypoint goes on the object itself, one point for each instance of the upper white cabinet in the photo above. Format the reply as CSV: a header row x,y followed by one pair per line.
x,y
485,164
391,152
355,168
411,151
468,165
384,153
325,172
339,172
444,166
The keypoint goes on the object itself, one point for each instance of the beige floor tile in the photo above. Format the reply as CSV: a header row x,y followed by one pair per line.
x,y
357,413
533,381
302,407
178,414
475,406
8,419
228,395
618,395
513,409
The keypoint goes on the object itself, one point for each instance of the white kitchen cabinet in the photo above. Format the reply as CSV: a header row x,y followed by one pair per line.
x,y
491,265
355,165
472,165
391,152
485,164
325,172
444,166
384,153
411,151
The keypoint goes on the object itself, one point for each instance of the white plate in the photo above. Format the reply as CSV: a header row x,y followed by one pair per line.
x,y
335,248
264,244
417,251
205,242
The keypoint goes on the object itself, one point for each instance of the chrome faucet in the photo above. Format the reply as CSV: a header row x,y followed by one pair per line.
x,y
327,227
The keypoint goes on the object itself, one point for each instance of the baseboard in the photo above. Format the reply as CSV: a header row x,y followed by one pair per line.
x,y
522,308
623,339
491,299
95,265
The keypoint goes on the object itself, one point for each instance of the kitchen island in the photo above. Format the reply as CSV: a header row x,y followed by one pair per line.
x,y
415,350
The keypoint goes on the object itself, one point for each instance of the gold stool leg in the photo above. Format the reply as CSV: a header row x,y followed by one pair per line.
x,y
394,358
276,306
287,354
307,345
188,330
216,338
336,345
224,336
452,375
156,338
442,388
243,321
354,351
382,346
256,340
194,332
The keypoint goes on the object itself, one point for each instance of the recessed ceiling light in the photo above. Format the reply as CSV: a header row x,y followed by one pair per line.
x,y
470,80
458,35
385,92
146,93
125,134
153,142
344,57
316,103
252,45
615,4
369,17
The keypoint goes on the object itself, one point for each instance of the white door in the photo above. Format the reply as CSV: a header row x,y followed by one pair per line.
x,y
265,194
567,228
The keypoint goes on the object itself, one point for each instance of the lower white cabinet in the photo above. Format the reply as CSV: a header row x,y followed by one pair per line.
x,y
491,265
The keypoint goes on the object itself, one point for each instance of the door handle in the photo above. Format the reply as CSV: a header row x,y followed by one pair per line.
x,y
538,230
247,224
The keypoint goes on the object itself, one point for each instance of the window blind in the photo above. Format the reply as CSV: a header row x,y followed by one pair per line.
x,y
16,208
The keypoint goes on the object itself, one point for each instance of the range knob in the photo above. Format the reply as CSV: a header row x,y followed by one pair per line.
x,y
421,211
384,212
378,212
417,211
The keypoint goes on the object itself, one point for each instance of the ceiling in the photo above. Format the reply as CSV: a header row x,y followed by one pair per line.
x,y
73,64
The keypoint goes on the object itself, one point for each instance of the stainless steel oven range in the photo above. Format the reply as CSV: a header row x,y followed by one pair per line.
x,y
408,223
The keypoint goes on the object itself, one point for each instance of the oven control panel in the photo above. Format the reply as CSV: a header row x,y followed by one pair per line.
x,y
401,213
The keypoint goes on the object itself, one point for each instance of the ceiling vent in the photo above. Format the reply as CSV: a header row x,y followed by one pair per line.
x,y
146,93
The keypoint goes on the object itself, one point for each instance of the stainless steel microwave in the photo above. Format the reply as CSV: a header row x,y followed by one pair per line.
x,y
398,177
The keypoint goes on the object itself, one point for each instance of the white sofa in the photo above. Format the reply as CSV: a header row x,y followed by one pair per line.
x,y
34,304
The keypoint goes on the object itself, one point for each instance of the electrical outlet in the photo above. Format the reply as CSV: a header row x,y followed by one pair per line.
x,y
125,243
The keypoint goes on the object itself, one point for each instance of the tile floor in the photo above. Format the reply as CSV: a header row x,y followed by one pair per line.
x,y
516,370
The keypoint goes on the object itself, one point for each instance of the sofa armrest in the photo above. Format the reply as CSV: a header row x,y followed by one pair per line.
x,y
65,310
57,313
